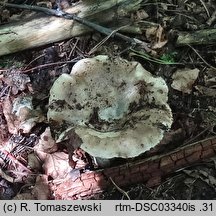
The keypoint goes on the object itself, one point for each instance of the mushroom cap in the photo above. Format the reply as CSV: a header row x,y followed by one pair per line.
x,y
116,107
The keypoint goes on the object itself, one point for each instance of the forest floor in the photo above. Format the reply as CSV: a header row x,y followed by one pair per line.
x,y
192,97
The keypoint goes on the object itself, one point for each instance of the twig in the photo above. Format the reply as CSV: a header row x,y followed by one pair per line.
x,y
211,19
38,57
103,41
65,15
206,9
201,57
197,136
119,189
49,65
73,48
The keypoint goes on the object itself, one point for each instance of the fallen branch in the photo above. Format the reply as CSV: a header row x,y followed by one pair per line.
x,y
69,16
42,30
149,171
45,30
200,37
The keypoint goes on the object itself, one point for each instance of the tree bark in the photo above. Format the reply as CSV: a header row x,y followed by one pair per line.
x,y
148,171
44,29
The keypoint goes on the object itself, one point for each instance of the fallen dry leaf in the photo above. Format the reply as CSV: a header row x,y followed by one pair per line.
x,y
7,111
156,36
203,175
141,15
46,143
183,79
56,165
16,80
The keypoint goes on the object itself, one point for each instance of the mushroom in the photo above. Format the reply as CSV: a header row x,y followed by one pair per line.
x,y
116,107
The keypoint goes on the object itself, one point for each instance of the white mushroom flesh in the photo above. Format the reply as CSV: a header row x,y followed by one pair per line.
x,y
116,107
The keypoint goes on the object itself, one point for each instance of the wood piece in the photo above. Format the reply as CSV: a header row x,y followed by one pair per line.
x,y
200,37
43,29
148,171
